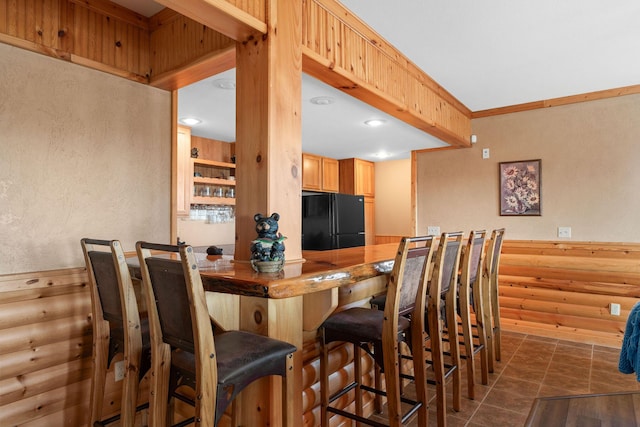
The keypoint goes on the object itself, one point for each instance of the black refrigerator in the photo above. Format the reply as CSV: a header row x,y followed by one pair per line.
x,y
332,221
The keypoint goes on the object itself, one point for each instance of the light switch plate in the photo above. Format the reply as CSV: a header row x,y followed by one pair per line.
x,y
485,153
433,230
614,309
564,232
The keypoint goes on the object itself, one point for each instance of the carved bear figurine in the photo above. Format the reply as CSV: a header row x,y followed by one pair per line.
x,y
268,246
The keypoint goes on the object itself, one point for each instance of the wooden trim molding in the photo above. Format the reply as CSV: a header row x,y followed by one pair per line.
x,y
555,102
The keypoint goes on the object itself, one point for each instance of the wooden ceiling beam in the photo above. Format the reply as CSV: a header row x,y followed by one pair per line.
x,y
221,16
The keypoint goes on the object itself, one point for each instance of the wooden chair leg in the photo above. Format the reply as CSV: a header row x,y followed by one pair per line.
x,y
288,388
454,349
357,372
486,318
324,382
467,336
159,387
100,355
482,336
377,400
495,311
129,395
420,375
441,389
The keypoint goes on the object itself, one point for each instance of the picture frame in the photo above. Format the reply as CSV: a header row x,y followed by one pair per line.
x,y
520,188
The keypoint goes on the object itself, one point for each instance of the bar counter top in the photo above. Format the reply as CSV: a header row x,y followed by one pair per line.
x,y
320,270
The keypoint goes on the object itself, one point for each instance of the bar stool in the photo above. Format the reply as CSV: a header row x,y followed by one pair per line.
x,y
473,293
379,333
439,312
185,351
117,328
492,315
442,312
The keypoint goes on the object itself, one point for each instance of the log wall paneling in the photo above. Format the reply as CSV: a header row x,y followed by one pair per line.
x,y
341,50
45,342
563,289
45,350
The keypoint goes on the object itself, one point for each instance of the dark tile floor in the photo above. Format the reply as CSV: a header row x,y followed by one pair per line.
x,y
531,367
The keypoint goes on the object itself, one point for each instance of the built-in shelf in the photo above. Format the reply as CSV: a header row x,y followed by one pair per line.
x,y
213,173
204,200
205,162
213,181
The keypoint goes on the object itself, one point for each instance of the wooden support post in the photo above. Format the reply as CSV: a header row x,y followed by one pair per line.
x,y
269,179
268,129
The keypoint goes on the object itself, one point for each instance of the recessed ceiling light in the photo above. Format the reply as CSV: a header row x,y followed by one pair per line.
x,y
190,121
375,122
322,100
227,84
382,155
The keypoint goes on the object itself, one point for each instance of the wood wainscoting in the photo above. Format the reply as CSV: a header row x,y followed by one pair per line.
x,y
45,348
563,289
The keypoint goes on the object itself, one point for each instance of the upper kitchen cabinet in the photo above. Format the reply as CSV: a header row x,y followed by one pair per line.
x,y
357,177
330,175
319,173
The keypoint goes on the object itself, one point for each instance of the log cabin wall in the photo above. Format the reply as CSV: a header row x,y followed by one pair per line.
x,y
563,289
45,347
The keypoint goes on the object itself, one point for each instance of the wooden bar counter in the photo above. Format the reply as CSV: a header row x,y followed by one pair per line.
x,y
287,305
319,271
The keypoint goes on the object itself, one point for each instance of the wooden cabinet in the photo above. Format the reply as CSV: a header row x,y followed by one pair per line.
x,y
330,175
369,221
357,177
311,172
183,172
320,173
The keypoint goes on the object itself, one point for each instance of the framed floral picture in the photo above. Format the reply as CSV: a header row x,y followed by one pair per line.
x,y
520,188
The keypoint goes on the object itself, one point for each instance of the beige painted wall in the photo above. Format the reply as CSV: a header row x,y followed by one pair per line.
x,y
82,154
393,198
590,174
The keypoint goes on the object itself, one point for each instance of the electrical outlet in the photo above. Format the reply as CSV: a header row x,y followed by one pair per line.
x,y
485,153
119,370
614,309
564,231
433,230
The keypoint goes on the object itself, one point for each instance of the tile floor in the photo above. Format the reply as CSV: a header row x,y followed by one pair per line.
x,y
531,367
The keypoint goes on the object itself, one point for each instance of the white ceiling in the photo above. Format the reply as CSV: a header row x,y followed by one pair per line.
x,y
488,54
